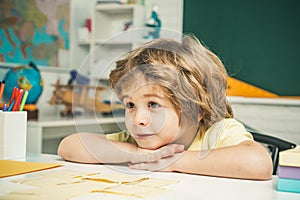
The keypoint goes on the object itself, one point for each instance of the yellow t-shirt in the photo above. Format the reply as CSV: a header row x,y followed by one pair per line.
x,y
226,132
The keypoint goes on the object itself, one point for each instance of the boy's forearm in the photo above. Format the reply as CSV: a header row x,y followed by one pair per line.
x,y
246,161
94,148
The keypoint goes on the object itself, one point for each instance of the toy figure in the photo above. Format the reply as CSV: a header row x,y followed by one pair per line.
x,y
155,23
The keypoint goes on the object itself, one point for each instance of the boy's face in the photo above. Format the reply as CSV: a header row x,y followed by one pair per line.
x,y
149,116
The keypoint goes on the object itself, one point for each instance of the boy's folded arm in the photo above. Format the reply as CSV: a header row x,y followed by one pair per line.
x,y
247,160
96,148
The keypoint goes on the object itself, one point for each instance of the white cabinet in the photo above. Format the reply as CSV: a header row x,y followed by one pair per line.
x,y
43,136
108,41
109,38
109,20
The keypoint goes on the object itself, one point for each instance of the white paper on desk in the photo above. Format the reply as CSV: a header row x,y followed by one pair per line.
x,y
66,184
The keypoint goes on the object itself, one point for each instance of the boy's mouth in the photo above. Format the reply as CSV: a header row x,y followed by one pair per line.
x,y
144,135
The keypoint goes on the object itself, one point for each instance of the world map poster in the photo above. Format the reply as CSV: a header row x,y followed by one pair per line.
x,y
34,30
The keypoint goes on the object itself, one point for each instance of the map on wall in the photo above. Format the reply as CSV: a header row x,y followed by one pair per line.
x,y
34,30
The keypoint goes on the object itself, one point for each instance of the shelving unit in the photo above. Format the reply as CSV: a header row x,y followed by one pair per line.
x,y
43,136
110,19
95,55
108,39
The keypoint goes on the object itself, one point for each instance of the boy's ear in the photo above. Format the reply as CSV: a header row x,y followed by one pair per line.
x,y
200,116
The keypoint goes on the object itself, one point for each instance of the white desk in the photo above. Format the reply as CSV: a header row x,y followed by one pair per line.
x,y
43,135
189,187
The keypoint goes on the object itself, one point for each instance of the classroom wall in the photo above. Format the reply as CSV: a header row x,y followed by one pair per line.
x,y
275,117
258,40
80,10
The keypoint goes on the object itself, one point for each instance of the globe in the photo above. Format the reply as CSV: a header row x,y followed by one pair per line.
x,y
26,78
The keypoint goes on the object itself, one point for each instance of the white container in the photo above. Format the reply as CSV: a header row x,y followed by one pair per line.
x,y
13,133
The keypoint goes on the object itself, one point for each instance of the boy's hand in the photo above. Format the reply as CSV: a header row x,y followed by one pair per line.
x,y
146,155
164,164
154,159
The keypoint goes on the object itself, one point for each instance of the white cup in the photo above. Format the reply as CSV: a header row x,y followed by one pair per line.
x,y
13,131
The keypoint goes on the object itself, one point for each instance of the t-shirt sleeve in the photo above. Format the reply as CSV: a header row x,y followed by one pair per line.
x,y
123,136
233,133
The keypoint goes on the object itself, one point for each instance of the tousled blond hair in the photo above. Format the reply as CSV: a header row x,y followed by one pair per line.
x,y
192,77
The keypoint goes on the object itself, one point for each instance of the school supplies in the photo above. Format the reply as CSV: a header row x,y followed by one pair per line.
x,y
11,105
70,184
289,170
4,107
12,167
23,101
17,99
13,135
2,85
290,157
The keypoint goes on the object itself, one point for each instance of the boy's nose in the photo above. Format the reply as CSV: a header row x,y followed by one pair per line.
x,y
142,117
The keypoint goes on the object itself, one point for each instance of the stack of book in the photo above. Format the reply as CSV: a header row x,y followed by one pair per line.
x,y
289,170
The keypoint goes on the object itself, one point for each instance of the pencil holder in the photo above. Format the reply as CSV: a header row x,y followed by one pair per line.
x,y
13,131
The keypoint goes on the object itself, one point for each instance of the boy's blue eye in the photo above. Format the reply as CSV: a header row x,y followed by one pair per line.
x,y
129,105
153,105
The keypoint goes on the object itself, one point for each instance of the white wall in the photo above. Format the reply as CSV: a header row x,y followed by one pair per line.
x,y
276,117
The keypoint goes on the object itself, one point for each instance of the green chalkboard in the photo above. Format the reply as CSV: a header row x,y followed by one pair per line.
x,y
258,40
